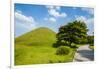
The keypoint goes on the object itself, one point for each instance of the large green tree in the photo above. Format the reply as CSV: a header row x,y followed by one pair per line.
x,y
73,32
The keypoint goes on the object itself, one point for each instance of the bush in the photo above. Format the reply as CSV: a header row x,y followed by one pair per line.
x,y
63,50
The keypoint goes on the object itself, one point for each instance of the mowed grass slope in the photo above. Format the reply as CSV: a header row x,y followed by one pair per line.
x,y
35,47
40,36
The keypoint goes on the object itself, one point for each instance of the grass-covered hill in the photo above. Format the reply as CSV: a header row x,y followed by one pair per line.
x,y
35,47
40,36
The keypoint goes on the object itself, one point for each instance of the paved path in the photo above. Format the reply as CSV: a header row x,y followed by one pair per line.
x,y
84,53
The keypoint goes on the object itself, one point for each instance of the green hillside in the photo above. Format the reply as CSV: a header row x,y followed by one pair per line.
x,y
40,36
35,47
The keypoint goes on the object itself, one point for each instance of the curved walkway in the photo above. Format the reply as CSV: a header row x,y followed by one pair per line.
x,y
84,53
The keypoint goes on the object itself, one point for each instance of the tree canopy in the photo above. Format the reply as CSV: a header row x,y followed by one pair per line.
x,y
72,32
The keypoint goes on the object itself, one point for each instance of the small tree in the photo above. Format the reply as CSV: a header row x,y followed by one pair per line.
x,y
91,40
71,33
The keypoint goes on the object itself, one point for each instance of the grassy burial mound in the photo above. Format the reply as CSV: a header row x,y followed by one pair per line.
x,y
40,36
35,47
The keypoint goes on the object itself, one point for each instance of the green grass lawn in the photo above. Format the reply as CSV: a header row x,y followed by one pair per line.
x,y
39,55
35,47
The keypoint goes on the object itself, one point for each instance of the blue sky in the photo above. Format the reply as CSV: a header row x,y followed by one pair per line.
x,y
29,16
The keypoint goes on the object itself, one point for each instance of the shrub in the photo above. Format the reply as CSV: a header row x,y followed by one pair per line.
x,y
63,50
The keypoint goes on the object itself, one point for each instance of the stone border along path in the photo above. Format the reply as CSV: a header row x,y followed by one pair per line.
x,y
84,53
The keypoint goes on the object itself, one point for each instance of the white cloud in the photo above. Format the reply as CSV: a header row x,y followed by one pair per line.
x,y
18,11
53,7
89,22
86,20
54,11
90,25
89,10
57,7
24,21
81,18
52,19
50,7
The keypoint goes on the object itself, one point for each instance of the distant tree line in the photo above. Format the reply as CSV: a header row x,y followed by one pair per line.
x,y
90,40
